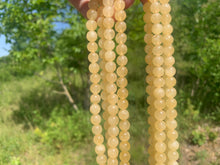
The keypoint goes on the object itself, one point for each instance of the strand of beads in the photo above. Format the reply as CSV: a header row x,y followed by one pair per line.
x,y
171,124
95,79
155,80
111,77
122,71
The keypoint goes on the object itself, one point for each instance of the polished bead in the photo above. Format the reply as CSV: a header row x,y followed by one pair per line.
x,y
124,146
110,55
112,161
123,114
156,39
92,14
122,60
108,2
167,40
101,159
95,108
111,77
120,15
95,78
111,88
146,6
113,130
110,66
148,38
170,92
121,49
100,149
147,18
113,152
95,98
91,36
157,28
119,5
148,28
120,27
173,155
149,69
112,99
122,82
122,71
91,25
113,120
172,134
155,7
160,147
173,145
159,82
108,11
109,34
123,104
124,136
167,29
125,156
157,50
121,38
112,110
149,79
95,88
92,46
170,71
98,139
124,163
148,49
160,125
124,125
166,19
160,157
109,45
168,50
95,119
100,21
113,142
108,22
169,61
171,124
93,57
159,136
171,103
165,8
159,93
160,115
158,71
171,113
170,82
158,61
155,18
122,93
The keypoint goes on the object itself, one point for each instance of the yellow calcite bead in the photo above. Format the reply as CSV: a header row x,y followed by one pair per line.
x,y
122,71
148,28
92,14
156,39
167,29
108,2
160,157
171,113
101,159
166,19
112,99
122,82
171,124
125,156
124,146
91,25
119,5
108,22
120,27
111,88
109,34
109,55
120,15
91,36
171,103
124,163
95,99
112,109
92,46
123,114
124,125
160,147
168,50
171,71
158,71
158,61
172,134
121,38
157,28
170,92
155,18
173,155
148,49
159,82
122,93
160,125
146,6
122,60
100,149
155,7
108,11
167,40
123,104
98,139
93,5
165,8
160,115
113,142
109,44
173,145
147,18
110,66
113,120
95,88
149,79
169,61
159,92
111,77
124,136
93,57
148,38
159,136
170,82
113,152
113,131
95,78
157,50
95,108
95,119
97,129
112,161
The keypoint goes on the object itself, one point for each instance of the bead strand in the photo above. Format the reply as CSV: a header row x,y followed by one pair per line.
x,y
171,124
95,79
156,82
111,77
122,92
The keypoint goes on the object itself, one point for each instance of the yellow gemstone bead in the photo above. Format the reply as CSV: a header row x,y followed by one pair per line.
x,y
95,88
160,157
91,36
95,119
124,163
122,82
122,71
147,18
122,60
91,25
111,88
155,18
169,61
171,71
98,139
148,28
113,152
112,109
172,163
156,39
121,38
167,40
92,46
113,120
109,45
109,34
125,156
148,49
155,7
171,113
160,125
157,50
93,57
158,71
123,114
158,82
124,136
171,92
92,14
160,147
170,82
108,23
157,28
110,66
112,99
112,161
101,159
167,29
120,27
124,125
166,19
159,92
95,78
108,11
113,142
122,93
165,8
171,103
158,61
95,98
160,115
108,2
123,104
173,155
160,136
171,124
124,146
120,15
113,131
110,55
95,109
172,134
173,145
119,5
148,38
100,149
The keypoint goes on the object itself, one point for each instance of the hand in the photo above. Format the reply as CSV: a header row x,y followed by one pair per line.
x,y
82,5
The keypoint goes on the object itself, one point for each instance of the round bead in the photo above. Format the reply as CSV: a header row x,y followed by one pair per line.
x,y
148,38
108,2
160,115
171,71
125,156
95,108
170,82
112,161
98,139
147,18
108,22
110,55
160,136
124,136
149,79
121,49
113,120
173,145
122,60
108,11
92,46
121,38
95,98
101,159
159,92
158,61
113,142
100,149
157,50
91,25
157,28
165,8
156,39
91,36
122,82
109,34
148,49
95,88
124,146
110,66
173,155
111,88
95,119
148,28
167,29
171,113
160,125
167,40
155,7
155,18
112,110
166,19
160,157
95,78
123,104
111,77
122,93
160,147
113,152
122,71
169,61
120,27
94,68
120,15
109,45
171,92
172,134
168,50
158,71
159,82
92,14
171,124
171,103
124,125
119,5
149,69
146,6
123,114
112,99
113,131
93,57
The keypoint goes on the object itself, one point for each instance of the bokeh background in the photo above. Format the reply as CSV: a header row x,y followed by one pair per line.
x,y
44,83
